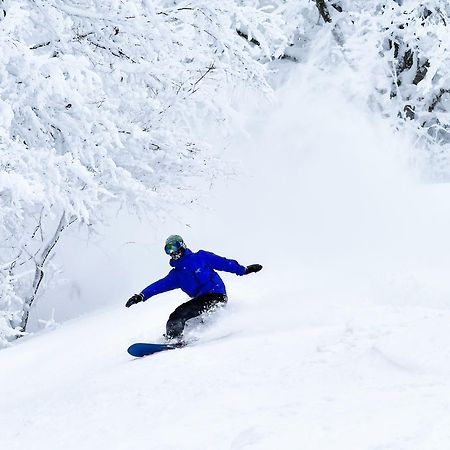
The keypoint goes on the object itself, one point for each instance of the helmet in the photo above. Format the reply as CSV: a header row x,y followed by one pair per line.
x,y
174,246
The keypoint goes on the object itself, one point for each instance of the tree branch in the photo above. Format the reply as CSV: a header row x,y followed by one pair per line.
x,y
245,36
210,68
39,270
323,10
437,99
40,45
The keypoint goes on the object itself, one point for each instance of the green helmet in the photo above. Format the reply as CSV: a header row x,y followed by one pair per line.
x,y
174,246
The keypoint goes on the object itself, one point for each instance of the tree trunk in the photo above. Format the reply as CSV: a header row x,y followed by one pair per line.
x,y
39,273
323,10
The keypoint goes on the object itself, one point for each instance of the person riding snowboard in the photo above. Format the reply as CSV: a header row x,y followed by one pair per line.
x,y
195,274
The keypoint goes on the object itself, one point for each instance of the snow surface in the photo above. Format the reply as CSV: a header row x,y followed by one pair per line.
x,y
340,342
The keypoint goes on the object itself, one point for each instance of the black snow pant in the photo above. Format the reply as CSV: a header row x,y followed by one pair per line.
x,y
193,308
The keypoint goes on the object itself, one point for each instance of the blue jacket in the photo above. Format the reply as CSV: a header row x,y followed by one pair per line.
x,y
195,274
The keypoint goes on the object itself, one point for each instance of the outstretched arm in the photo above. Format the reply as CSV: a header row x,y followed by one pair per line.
x,y
220,263
229,265
167,283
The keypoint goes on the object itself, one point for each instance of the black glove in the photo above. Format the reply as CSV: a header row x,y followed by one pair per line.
x,y
135,299
253,268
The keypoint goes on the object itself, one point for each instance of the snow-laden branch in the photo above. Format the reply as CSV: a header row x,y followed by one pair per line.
x,y
104,103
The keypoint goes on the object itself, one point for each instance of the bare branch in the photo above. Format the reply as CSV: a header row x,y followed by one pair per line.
x,y
208,70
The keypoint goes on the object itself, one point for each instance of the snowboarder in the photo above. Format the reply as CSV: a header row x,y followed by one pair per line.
x,y
195,274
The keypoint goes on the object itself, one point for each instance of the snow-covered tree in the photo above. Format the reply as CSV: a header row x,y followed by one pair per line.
x,y
399,51
103,103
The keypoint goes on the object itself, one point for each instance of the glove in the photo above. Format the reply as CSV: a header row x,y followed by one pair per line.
x,y
253,268
135,299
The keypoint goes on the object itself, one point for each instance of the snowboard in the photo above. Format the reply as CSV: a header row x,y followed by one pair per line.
x,y
141,349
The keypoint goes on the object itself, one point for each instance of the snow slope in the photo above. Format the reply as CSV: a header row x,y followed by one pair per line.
x,y
341,342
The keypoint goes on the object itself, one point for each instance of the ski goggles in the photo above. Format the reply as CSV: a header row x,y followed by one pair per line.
x,y
173,248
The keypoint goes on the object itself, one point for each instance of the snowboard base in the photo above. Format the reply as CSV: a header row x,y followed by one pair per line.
x,y
141,349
